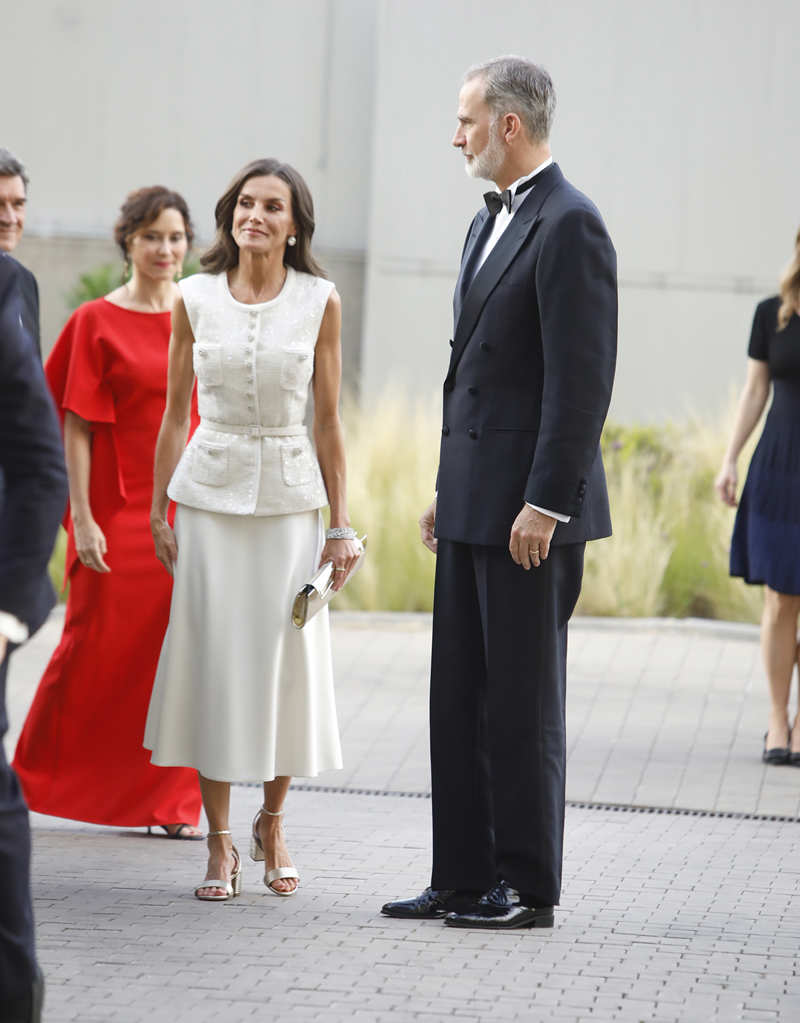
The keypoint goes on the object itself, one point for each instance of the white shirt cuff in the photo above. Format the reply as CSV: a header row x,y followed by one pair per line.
x,y
12,628
552,514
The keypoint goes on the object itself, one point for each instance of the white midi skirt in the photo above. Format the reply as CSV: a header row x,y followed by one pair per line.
x,y
240,694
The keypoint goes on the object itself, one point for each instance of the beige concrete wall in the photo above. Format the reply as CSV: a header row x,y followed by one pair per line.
x,y
183,93
119,95
678,119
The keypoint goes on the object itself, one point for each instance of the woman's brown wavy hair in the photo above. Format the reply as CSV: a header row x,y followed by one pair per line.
x,y
224,252
142,207
790,288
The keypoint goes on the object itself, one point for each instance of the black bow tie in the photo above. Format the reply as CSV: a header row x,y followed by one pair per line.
x,y
495,201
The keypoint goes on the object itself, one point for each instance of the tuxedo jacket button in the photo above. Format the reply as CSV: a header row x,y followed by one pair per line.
x,y
473,391
485,347
472,434
445,430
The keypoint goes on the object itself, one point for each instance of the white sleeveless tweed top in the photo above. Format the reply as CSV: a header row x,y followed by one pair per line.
x,y
251,454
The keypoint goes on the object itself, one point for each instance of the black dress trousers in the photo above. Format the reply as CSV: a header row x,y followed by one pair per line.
x,y
17,957
497,717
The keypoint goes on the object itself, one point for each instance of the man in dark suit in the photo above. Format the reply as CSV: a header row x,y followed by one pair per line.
x,y
13,205
520,490
33,492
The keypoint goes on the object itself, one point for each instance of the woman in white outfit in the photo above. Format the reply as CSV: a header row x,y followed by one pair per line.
x,y
240,694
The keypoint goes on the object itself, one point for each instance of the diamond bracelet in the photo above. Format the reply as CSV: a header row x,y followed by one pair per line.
x,y
341,533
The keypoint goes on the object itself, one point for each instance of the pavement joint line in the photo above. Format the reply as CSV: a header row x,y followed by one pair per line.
x,y
715,627
583,804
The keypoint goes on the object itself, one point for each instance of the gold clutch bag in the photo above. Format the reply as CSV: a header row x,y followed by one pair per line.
x,y
318,591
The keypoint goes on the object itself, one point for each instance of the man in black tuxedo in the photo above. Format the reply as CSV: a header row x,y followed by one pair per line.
x,y
521,488
13,205
33,493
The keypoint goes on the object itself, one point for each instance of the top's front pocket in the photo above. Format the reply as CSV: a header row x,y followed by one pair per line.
x,y
210,463
296,370
207,362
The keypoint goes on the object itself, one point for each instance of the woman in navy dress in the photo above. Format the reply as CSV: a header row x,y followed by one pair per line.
x,y
766,535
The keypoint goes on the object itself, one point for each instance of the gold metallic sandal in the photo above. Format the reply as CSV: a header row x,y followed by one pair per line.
x,y
257,854
231,888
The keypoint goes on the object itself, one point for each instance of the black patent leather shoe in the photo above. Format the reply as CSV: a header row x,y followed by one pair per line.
x,y
432,904
500,909
494,918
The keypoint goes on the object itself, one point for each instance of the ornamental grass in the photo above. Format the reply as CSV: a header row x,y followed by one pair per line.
x,y
669,552
668,555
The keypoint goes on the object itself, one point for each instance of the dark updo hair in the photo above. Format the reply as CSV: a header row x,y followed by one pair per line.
x,y
224,252
144,206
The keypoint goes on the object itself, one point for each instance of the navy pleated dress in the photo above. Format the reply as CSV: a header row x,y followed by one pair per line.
x,y
766,535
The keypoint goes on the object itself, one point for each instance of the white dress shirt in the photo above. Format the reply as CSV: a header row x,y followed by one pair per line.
x,y
504,218
501,222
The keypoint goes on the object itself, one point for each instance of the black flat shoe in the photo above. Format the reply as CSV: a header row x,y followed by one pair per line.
x,y
492,918
794,759
778,754
432,904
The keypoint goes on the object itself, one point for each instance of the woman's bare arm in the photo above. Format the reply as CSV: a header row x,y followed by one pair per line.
x,y
329,436
173,433
751,404
90,541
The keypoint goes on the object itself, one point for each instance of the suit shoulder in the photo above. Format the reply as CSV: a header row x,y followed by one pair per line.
x,y
568,203
14,270
29,277
10,272
569,215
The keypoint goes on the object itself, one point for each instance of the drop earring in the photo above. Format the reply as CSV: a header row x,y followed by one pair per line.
x,y
291,240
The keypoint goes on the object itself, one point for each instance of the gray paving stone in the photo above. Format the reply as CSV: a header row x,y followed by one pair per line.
x,y
669,918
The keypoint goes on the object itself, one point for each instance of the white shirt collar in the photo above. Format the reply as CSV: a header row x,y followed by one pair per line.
x,y
526,177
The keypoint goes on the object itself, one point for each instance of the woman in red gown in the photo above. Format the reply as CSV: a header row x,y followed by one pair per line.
x,y
80,753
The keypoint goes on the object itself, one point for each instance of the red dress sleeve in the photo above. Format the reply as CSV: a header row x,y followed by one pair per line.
x,y
77,376
76,372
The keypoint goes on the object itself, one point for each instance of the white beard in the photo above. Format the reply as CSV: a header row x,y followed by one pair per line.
x,y
487,163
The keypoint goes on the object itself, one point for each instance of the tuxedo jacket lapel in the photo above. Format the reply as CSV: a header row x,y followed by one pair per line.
x,y
498,261
481,227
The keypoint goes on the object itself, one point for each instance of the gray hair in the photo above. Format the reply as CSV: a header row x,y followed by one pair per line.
x,y
10,167
515,85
